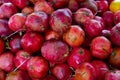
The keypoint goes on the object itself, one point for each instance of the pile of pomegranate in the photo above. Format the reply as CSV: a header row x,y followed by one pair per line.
x,y
59,40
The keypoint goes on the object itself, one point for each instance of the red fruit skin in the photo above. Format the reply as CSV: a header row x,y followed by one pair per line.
x,y
18,75
4,28
7,10
37,67
6,61
108,18
43,6
117,17
90,4
32,42
115,35
75,36
60,20
80,0
27,10
58,3
37,21
73,5
113,75
100,47
4,1
102,6
114,57
77,56
85,72
82,15
101,68
17,21
55,51
2,75
93,28
21,58
50,34
2,46
61,71
20,3
101,20
14,43
106,33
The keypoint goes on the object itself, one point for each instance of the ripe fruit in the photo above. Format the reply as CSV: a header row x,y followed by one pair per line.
x,y
37,21
74,36
117,17
73,5
77,56
114,6
60,20
37,67
31,41
82,15
17,21
2,75
113,75
21,58
114,57
27,10
85,72
18,75
4,28
7,10
44,6
61,71
101,47
14,43
115,35
93,28
6,61
55,51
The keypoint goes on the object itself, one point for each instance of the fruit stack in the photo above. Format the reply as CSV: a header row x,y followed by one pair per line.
x,y
59,39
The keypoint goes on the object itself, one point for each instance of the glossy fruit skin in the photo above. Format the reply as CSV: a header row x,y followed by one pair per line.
x,y
78,56
27,10
17,21
14,43
6,61
101,47
73,5
61,71
20,3
117,17
50,34
74,36
7,10
102,6
37,67
82,15
93,28
18,75
55,51
2,46
115,35
2,75
108,17
4,28
21,57
85,72
49,77
37,21
32,41
58,3
101,68
114,6
114,57
43,6
60,20
113,75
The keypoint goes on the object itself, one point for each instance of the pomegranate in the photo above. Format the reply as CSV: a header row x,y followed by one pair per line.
x,y
2,75
117,17
2,46
73,5
27,10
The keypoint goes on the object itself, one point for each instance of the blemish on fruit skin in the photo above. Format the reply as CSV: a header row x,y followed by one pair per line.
x,y
80,51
